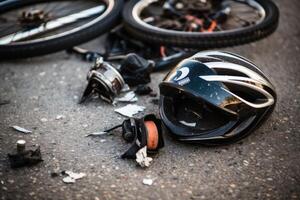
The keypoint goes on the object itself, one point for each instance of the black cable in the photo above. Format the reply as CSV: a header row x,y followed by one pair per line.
x,y
113,128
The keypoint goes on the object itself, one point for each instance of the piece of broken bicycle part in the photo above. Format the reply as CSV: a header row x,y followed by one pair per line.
x,y
136,70
146,131
104,80
21,146
23,157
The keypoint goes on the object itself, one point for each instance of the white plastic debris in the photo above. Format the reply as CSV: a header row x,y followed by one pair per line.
x,y
75,175
68,179
147,181
130,110
20,129
142,159
44,119
96,134
128,97
125,88
59,117
72,177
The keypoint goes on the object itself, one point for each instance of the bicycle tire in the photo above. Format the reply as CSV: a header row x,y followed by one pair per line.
x,y
31,49
203,40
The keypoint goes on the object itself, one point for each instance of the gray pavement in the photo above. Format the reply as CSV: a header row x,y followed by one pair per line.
x,y
263,166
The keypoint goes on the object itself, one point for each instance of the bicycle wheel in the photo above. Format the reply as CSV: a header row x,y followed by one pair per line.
x,y
200,24
37,27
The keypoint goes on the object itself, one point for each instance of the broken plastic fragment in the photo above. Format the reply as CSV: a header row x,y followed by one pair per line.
x,y
147,181
125,88
44,119
72,177
58,117
20,129
68,179
75,175
142,159
130,110
96,134
128,97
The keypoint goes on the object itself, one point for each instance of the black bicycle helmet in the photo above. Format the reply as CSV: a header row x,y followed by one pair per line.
x,y
215,98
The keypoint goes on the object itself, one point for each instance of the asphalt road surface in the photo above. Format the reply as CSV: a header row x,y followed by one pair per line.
x,y
263,166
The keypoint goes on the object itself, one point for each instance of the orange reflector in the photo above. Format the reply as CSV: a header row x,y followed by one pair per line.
x,y
152,140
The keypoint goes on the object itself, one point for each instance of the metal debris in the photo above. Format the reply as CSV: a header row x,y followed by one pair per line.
x,y
130,110
23,157
142,159
128,97
21,146
72,177
104,81
96,134
147,181
20,129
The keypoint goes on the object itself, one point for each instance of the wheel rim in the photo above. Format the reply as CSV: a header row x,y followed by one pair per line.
x,y
139,9
40,22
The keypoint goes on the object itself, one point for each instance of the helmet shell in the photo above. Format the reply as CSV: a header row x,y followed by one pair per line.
x,y
215,97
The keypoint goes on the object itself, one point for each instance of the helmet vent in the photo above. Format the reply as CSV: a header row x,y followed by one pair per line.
x,y
229,72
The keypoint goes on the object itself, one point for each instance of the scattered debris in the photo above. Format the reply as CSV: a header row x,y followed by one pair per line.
x,y
59,117
21,146
125,88
142,159
24,157
103,80
147,181
42,73
96,134
130,110
128,97
20,129
72,177
145,136
143,90
136,70
44,119
68,179
245,162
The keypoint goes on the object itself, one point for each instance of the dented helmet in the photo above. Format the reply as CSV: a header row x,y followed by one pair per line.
x,y
215,98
